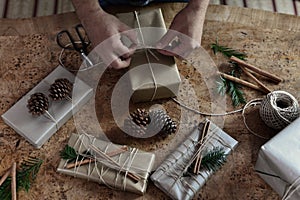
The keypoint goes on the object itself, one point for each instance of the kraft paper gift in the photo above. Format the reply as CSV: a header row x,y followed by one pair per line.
x,y
37,130
278,162
132,161
169,177
151,74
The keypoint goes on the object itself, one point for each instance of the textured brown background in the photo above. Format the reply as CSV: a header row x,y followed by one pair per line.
x,y
28,53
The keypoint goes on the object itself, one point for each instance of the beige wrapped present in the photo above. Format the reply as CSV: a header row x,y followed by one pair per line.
x,y
151,74
110,164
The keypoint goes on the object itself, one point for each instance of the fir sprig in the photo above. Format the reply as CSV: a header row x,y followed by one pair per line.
x,y
226,51
24,177
211,161
70,154
225,85
214,159
233,89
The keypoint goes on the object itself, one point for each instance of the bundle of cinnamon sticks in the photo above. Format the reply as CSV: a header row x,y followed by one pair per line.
x,y
248,69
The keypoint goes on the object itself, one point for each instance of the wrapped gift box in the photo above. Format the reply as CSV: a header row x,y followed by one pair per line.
x,y
278,162
170,178
151,74
132,160
37,130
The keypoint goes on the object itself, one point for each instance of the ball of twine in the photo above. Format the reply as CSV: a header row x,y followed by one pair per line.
x,y
278,109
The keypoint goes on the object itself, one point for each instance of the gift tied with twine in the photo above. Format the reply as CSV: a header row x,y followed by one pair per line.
x,y
277,109
101,161
192,156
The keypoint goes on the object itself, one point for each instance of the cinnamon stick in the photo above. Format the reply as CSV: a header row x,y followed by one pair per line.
x,y
117,152
4,177
242,82
246,71
14,181
273,77
198,160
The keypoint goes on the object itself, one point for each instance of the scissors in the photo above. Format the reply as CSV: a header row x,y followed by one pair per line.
x,y
66,41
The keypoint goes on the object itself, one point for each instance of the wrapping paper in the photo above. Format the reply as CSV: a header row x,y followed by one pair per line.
x,y
160,78
169,175
278,162
133,160
37,130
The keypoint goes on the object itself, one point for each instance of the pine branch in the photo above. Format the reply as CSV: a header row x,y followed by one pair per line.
x,y
70,154
226,51
25,176
214,159
211,161
233,89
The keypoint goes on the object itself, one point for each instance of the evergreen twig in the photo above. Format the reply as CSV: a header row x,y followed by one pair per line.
x,y
225,85
226,51
211,161
214,159
70,154
25,176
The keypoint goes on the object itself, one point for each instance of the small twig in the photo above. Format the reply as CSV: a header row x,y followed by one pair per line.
x,y
4,177
246,71
117,152
14,181
102,154
79,163
89,160
242,82
199,154
257,70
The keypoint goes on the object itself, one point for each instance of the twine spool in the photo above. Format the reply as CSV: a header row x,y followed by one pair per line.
x,y
278,109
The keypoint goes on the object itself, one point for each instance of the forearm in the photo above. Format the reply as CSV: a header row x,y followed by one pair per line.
x,y
199,7
85,8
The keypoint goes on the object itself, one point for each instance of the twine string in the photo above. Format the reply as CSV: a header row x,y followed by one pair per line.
x,y
173,166
107,163
147,56
292,189
270,112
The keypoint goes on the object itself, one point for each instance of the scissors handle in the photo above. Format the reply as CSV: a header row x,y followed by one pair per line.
x,y
80,46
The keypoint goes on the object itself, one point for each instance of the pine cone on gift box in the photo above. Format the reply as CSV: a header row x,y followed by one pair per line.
x,y
38,104
60,89
138,123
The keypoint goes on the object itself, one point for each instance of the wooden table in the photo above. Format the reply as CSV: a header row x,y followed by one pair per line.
x,y
28,52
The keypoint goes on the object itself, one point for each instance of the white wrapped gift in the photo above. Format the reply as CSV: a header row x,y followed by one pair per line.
x,y
278,162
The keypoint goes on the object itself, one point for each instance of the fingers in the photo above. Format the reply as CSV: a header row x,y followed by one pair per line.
x,y
119,63
130,33
165,40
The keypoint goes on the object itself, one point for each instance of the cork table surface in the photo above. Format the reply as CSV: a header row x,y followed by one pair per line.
x,y
28,53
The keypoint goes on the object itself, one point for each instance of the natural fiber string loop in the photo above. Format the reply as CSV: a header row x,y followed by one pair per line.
x,y
252,103
85,58
147,56
290,191
279,109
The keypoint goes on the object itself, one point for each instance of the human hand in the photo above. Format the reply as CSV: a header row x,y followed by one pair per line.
x,y
185,31
105,31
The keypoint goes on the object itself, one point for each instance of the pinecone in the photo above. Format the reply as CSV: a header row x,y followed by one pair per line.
x,y
162,122
133,129
38,104
138,124
140,117
60,89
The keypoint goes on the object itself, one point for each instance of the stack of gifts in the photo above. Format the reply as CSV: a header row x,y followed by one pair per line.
x,y
151,74
182,174
278,162
44,109
116,166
